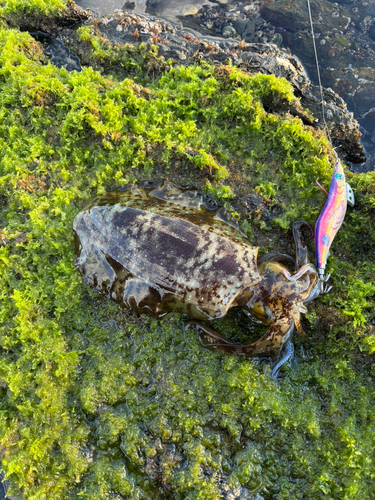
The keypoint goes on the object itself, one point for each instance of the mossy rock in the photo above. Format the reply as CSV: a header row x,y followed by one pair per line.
x,y
45,15
97,403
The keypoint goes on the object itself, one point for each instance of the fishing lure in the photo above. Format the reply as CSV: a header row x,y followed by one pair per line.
x,y
330,219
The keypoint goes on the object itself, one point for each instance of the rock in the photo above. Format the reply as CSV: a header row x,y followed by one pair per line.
x,y
26,21
168,457
129,5
189,10
229,32
368,165
277,39
135,407
348,32
344,35
297,18
61,57
183,48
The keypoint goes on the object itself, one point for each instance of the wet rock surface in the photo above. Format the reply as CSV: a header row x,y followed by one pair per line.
x,y
181,47
168,458
4,487
114,400
61,57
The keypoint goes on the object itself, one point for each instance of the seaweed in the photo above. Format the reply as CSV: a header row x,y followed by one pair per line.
x,y
97,402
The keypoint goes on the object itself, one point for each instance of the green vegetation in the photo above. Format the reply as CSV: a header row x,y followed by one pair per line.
x,y
39,7
96,402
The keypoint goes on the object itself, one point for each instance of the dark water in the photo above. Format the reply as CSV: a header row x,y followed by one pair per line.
x,y
344,35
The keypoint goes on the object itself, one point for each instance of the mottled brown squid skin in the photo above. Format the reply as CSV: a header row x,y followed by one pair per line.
x,y
276,301
156,247
153,263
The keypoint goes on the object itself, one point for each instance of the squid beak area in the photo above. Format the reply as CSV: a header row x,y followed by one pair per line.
x,y
277,280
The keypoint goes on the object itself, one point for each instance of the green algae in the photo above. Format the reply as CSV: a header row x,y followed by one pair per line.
x,y
140,61
47,7
343,41
98,403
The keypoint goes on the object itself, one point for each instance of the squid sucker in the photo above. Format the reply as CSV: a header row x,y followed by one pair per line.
x,y
156,247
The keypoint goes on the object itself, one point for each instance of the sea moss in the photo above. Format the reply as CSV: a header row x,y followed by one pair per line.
x,y
118,59
96,402
46,7
43,15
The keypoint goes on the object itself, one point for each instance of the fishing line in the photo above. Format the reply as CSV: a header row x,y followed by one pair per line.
x,y
349,191
317,67
319,80
339,197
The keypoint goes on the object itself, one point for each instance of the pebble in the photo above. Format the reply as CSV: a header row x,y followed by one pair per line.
x,y
189,10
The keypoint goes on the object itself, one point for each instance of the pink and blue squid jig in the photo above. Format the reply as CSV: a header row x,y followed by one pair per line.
x,y
330,218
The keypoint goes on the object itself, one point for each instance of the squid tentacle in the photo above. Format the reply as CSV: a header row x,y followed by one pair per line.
x,y
306,268
276,257
302,255
271,343
288,355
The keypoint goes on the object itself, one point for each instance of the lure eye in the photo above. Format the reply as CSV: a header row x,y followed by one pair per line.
x,y
339,177
325,239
